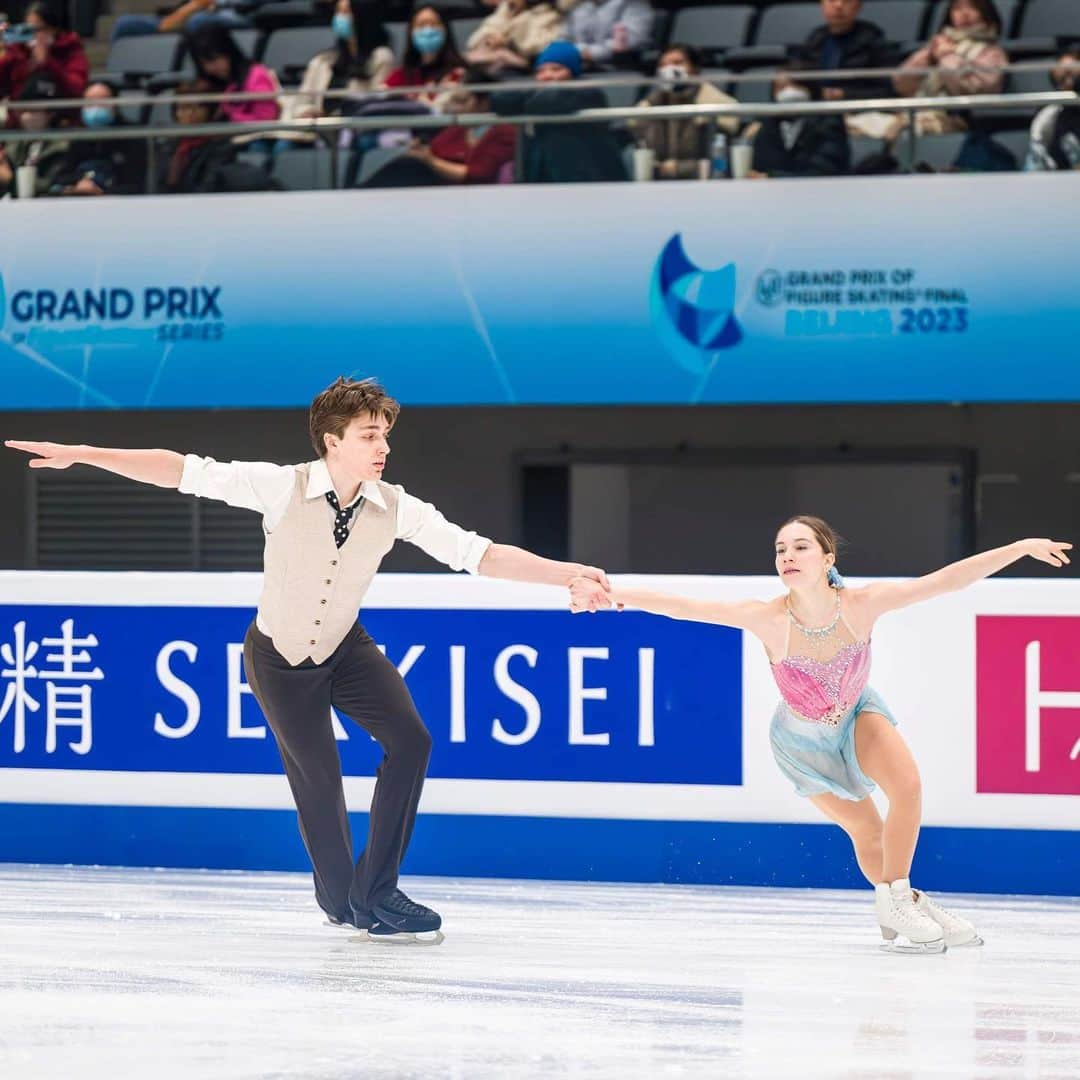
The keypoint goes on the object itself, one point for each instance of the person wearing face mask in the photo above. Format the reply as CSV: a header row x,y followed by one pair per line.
x,y
430,56
678,145
47,155
1055,131
799,145
102,166
514,35
964,57
360,60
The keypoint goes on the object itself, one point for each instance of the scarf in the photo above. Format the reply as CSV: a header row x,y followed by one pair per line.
x,y
969,44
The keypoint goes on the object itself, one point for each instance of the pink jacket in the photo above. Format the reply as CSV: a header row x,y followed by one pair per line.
x,y
955,79
259,79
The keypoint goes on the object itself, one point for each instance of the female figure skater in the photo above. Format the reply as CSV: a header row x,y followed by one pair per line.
x,y
831,734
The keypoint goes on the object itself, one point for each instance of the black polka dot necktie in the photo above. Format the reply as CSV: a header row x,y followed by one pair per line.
x,y
341,517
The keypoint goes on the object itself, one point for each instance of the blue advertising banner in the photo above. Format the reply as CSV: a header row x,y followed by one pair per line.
x,y
838,290
507,695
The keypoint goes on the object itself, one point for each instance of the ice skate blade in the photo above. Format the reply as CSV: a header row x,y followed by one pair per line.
x,y
902,947
971,943
434,937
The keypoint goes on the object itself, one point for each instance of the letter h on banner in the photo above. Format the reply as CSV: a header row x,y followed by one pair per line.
x,y
1028,704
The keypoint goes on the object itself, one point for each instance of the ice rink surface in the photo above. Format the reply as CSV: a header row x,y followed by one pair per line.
x,y
161,974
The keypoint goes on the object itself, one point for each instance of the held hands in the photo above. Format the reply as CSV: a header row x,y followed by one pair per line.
x,y
1047,551
587,595
50,455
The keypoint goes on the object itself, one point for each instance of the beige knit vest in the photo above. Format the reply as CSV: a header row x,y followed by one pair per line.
x,y
312,590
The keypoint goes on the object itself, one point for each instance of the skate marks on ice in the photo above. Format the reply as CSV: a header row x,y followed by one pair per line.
x,y
112,973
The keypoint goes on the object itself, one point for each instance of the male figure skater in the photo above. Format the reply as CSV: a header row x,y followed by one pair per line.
x,y
328,524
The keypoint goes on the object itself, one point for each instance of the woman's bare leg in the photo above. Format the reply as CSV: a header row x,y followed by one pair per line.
x,y
862,822
885,758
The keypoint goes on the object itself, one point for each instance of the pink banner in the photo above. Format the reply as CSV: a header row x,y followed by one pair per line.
x,y
1028,704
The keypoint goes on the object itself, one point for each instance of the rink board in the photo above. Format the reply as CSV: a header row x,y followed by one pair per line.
x,y
613,747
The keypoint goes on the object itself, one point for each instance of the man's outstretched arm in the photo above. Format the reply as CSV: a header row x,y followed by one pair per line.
x,y
162,468
517,564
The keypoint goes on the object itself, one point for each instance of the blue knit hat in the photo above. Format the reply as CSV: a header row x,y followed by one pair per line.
x,y
562,52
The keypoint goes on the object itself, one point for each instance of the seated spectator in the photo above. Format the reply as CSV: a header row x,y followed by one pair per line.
x,y
562,153
55,52
610,33
460,155
964,57
846,43
360,60
102,166
195,162
189,16
430,58
220,62
799,145
1055,131
513,35
47,156
678,145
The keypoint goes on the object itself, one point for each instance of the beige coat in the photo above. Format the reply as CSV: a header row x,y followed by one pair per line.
x,y
528,32
309,100
954,74
683,141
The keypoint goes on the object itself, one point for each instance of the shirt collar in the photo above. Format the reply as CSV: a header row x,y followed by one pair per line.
x,y
319,483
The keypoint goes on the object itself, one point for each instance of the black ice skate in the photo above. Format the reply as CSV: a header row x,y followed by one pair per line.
x,y
399,919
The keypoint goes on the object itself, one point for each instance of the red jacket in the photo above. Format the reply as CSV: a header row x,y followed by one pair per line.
x,y
66,63
484,158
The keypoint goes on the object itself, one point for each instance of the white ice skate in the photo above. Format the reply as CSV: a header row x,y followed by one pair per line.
x,y
905,928
959,933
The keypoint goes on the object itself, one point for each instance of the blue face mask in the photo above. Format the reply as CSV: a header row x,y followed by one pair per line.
x,y
94,116
428,39
342,25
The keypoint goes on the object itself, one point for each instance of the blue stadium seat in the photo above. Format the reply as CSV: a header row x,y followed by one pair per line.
x,y
307,169
756,92
294,47
136,58
1051,18
787,24
462,29
938,151
713,28
397,32
901,20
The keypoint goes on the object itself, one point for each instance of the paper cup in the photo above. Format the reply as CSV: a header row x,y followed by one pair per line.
x,y
742,156
25,181
644,163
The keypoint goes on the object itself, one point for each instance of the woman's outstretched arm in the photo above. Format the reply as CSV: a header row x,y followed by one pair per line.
x,y
890,595
745,614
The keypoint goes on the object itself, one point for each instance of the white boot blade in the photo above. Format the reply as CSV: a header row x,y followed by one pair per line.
x,y
902,946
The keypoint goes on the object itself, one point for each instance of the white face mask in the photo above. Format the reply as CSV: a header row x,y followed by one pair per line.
x,y
791,94
673,74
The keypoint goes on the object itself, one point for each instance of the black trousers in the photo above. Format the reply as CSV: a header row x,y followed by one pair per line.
x,y
363,685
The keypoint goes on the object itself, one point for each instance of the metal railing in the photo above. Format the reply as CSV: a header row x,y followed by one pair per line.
x,y
327,128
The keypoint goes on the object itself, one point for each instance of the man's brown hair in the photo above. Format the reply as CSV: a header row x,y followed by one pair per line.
x,y
343,400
